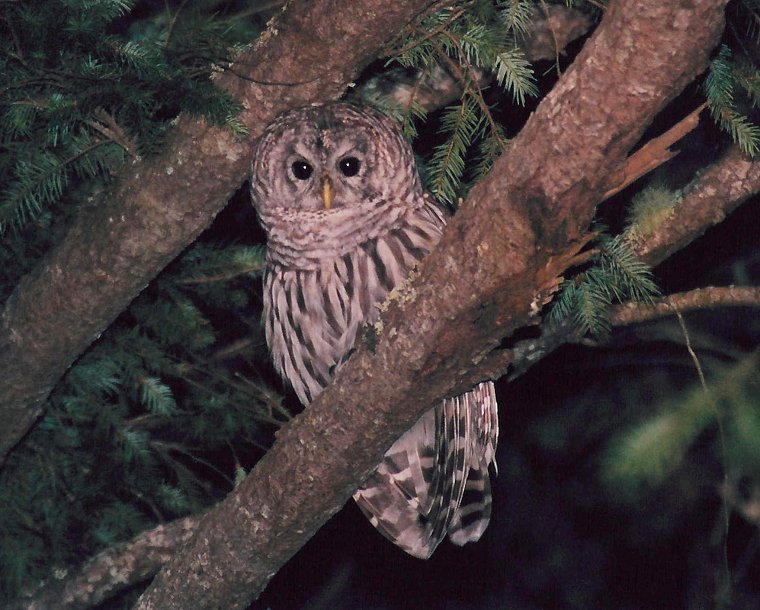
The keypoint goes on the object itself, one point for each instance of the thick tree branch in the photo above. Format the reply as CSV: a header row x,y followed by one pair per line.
x,y
127,564
707,200
159,205
500,258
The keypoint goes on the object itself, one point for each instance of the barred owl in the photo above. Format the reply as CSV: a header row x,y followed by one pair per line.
x,y
337,192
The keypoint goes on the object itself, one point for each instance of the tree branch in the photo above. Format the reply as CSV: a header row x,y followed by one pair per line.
x,y
113,570
141,558
705,202
529,211
700,298
130,563
159,205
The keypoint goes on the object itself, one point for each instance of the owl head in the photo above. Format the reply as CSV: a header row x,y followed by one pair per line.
x,y
324,158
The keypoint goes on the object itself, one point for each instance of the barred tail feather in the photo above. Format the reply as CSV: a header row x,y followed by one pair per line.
x,y
474,512
434,480
473,516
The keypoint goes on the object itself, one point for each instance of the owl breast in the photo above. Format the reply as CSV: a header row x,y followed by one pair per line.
x,y
313,315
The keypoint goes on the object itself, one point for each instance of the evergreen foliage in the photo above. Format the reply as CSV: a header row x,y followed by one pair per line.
x,y
139,429
80,92
614,275
724,76
446,168
468,43
165,412
153,421
645,455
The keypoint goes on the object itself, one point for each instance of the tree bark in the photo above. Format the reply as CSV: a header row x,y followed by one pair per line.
x,y
112,570
159,205
705,202
499,261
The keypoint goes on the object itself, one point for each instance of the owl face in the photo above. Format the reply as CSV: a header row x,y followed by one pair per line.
x,y
329,157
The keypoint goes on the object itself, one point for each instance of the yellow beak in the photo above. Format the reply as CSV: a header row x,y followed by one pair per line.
x,y
328,192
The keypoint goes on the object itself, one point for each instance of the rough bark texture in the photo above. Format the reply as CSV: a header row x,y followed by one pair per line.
x,y
112,570
705,202
159,205
500,255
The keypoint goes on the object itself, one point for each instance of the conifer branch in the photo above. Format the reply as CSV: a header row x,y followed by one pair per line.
x,y
706,201
434,87
108,126
295,520
113,570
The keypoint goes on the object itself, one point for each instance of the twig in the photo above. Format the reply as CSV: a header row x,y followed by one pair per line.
x,y
552,31
437,88
429,35
113,131
700,298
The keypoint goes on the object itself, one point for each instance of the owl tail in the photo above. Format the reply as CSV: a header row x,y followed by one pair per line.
x,y
472,518
434,480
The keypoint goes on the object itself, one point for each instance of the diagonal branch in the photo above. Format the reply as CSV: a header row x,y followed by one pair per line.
x,y
502,253
127,564
112,570
159,205
705,202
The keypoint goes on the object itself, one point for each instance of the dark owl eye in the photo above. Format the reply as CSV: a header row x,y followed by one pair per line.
x,y
349,166
302,170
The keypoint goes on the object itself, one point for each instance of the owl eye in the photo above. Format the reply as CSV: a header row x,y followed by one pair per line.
x,y
302,170
349,166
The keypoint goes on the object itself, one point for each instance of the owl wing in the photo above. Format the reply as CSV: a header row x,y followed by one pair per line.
x,y
434,480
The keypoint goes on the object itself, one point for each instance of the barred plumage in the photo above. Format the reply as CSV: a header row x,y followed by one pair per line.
x,y
337,192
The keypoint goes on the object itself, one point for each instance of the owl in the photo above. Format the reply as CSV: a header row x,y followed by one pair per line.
x,y
337,192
